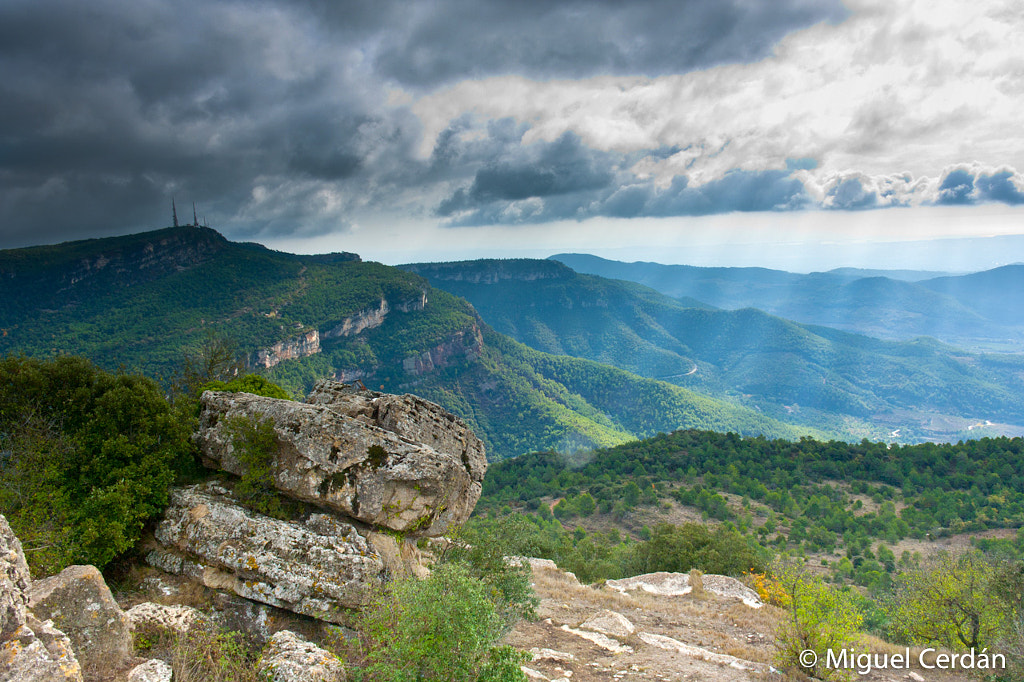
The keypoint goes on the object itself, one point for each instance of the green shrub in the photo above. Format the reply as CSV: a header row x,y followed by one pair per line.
x,y
88,459
440,628
820,618
250,383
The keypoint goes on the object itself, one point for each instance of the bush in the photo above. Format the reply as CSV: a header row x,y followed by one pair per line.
x,y
820,618
88,459
250,383
441,628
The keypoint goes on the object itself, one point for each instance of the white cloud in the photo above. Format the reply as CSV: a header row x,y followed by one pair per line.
x,y
898,87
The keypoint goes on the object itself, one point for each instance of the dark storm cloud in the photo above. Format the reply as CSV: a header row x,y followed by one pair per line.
x,y
563,179
448,40
111,107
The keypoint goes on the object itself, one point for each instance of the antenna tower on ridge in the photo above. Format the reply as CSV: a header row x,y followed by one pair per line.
x,y
174,212
195,220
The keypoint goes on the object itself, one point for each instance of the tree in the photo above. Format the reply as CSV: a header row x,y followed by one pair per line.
x,y
819,618
217,359
951,601
88,458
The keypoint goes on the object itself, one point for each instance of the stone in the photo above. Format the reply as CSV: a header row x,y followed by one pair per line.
x,y
401,557
394,461
726,586
660,583
604,641
14,581
80,604
153,670
319,567
289,658
38,652
175,619
609,623
663,642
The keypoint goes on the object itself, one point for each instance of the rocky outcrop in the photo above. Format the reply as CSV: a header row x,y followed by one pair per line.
x,y
466,344
289,658
367,318
678,584
79,602
30,649
394,461
319,567
14,581
297,347
38,652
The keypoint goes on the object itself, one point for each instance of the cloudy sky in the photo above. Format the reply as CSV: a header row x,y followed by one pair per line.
x,y
787,133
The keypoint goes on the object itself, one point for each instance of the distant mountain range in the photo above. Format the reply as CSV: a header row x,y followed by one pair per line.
x,y
842,382
144,302
980,311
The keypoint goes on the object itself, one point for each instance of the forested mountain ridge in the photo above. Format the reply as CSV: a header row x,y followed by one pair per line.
x,y
147,302
853,384
970,310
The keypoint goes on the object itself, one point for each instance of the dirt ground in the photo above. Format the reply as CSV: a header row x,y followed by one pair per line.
x,y
718,627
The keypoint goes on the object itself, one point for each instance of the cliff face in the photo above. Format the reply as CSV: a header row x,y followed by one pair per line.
x,y
462,345
297,347
309,343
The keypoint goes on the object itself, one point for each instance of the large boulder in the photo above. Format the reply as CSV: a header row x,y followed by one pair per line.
x,y
30,649
318,567
394,461
79,602
38,652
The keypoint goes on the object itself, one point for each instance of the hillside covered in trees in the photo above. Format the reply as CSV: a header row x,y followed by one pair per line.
x,y
164,301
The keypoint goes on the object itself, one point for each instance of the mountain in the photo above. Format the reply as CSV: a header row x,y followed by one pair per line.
x,y
848,383
147,302
883,307
997,294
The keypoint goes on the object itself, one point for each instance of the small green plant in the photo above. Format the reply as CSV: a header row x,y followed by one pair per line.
x,y
204,655
254,445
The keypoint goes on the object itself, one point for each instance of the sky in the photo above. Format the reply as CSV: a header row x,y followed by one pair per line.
x,y
801,134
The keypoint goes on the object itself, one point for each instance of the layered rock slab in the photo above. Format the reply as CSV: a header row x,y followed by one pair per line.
x,y
394,461
319,567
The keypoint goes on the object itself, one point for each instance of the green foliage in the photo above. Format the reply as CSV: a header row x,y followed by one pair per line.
x,y
254,444
88,459
250,383
678,549
952,602
819,618
482,548
409,638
